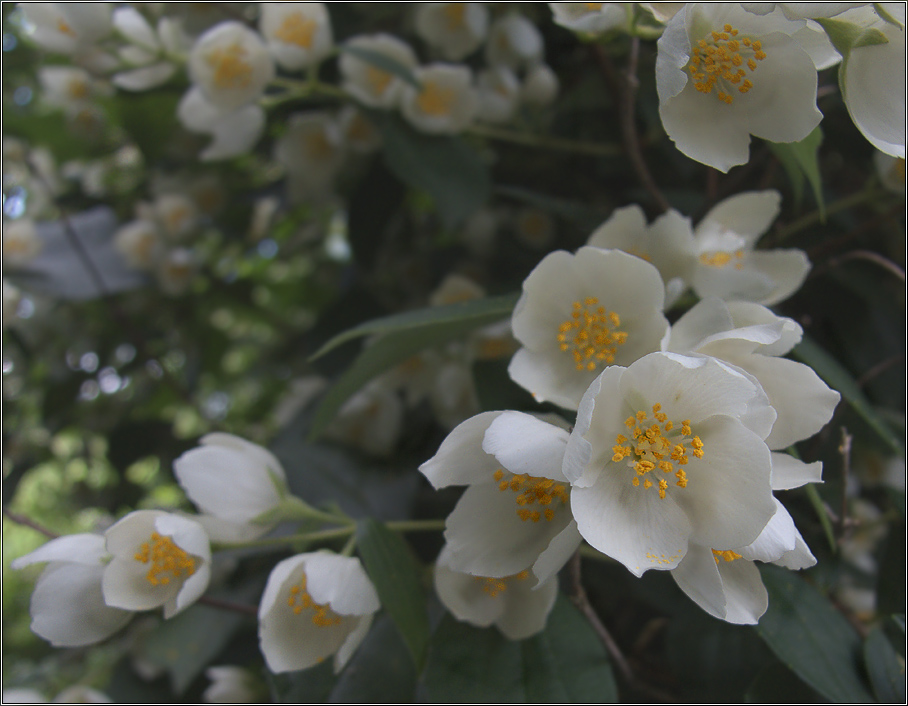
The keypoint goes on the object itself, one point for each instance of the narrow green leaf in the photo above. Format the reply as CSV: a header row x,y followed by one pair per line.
x,y
812,638
383,62
485,311
880,8
307,686
801,159
820,509
447,168
564,663
394,572
840,379
777,685
885,667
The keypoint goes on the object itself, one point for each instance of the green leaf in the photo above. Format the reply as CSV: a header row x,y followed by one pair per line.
x,y
840,379
395,574
482,311
383,62
564,663
777,685
885,667
407,335
820,509
800,160
811,637
846,36
307,686
880,9
447,168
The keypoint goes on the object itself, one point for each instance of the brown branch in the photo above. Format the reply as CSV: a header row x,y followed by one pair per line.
x,y
229,605
879,369
870,256
27,522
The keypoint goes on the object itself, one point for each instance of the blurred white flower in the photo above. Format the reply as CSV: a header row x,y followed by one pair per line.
x,y
371,420
890,170
21,243
311,150
517,605
446,101
724,74
67,605
141,243
152,54
498,91
514,42
315,605
231,685
67,28
592,17
369,84
158,559
298,34
455,29
234,132
176,270
540,86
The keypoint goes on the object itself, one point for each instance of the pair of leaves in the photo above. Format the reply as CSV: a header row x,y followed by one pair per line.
x,y
801,160
402,336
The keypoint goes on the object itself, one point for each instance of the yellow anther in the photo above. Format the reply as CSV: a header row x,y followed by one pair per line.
x,y
65,28
498,475
536,491
299,600
377,79
454,13
435,100
168,561
718,56
590,335
726,555
231,70
298,30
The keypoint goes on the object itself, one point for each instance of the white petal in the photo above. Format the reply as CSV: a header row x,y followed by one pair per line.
x,y
132,25
341,582
698,576
87,549
235,133
460,459
526,609
788,472
748,214
745,596
145,77
776,539
524,444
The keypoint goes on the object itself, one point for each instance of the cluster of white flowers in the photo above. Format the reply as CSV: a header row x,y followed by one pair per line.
x,y
675,449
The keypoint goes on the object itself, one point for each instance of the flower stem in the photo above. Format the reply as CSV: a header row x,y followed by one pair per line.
x,y
306,537
814,217
595,149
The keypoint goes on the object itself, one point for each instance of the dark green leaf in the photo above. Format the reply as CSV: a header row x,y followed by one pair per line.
x,y
820,509
801,159
395,574
564,663
890,582
307,686
812,638
840,379
886,669
777,685
381,61
380,671
480,311
447,168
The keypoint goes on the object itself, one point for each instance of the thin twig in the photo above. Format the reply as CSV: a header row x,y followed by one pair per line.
x,y
625,93
229,605
870,256
879,369
594,149
27,522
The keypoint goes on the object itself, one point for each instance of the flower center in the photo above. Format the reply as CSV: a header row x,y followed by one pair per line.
x,y
167,560
726,555
591,335
296,29
300,600
593,6
454,13
318,147
654,446
176,218
435,100
721,63
377,79
77,89
65,28
533,491
231,70
720,258
494,586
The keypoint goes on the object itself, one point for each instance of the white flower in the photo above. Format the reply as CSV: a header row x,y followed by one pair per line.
x,y
311,150
231,65
514,42
728,267
67,606
873,80
153,54
517,605
724,74
159,559
67,28
666,453
141,243
371,420
667,243
176,270
231,685
21,242
498,90
357,131
231,478
66,87
456,29
890,170
446,103
516,510
727,584
540,86
298,34
592,17
315,605
235,132
369,84
579,313
751,338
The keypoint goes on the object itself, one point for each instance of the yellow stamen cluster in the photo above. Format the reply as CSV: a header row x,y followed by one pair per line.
x,y
494,586
65,28
77,89
176,217
435,99
593,6
378,80
726,555
532,490
591,335
167,560
231,70
300,600
720,258
296,29
657,447
722,63
318,146
454,12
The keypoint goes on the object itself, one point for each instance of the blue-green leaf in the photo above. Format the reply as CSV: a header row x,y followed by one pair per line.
x,y
886,668
564,663
395,574
801,159
812,638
